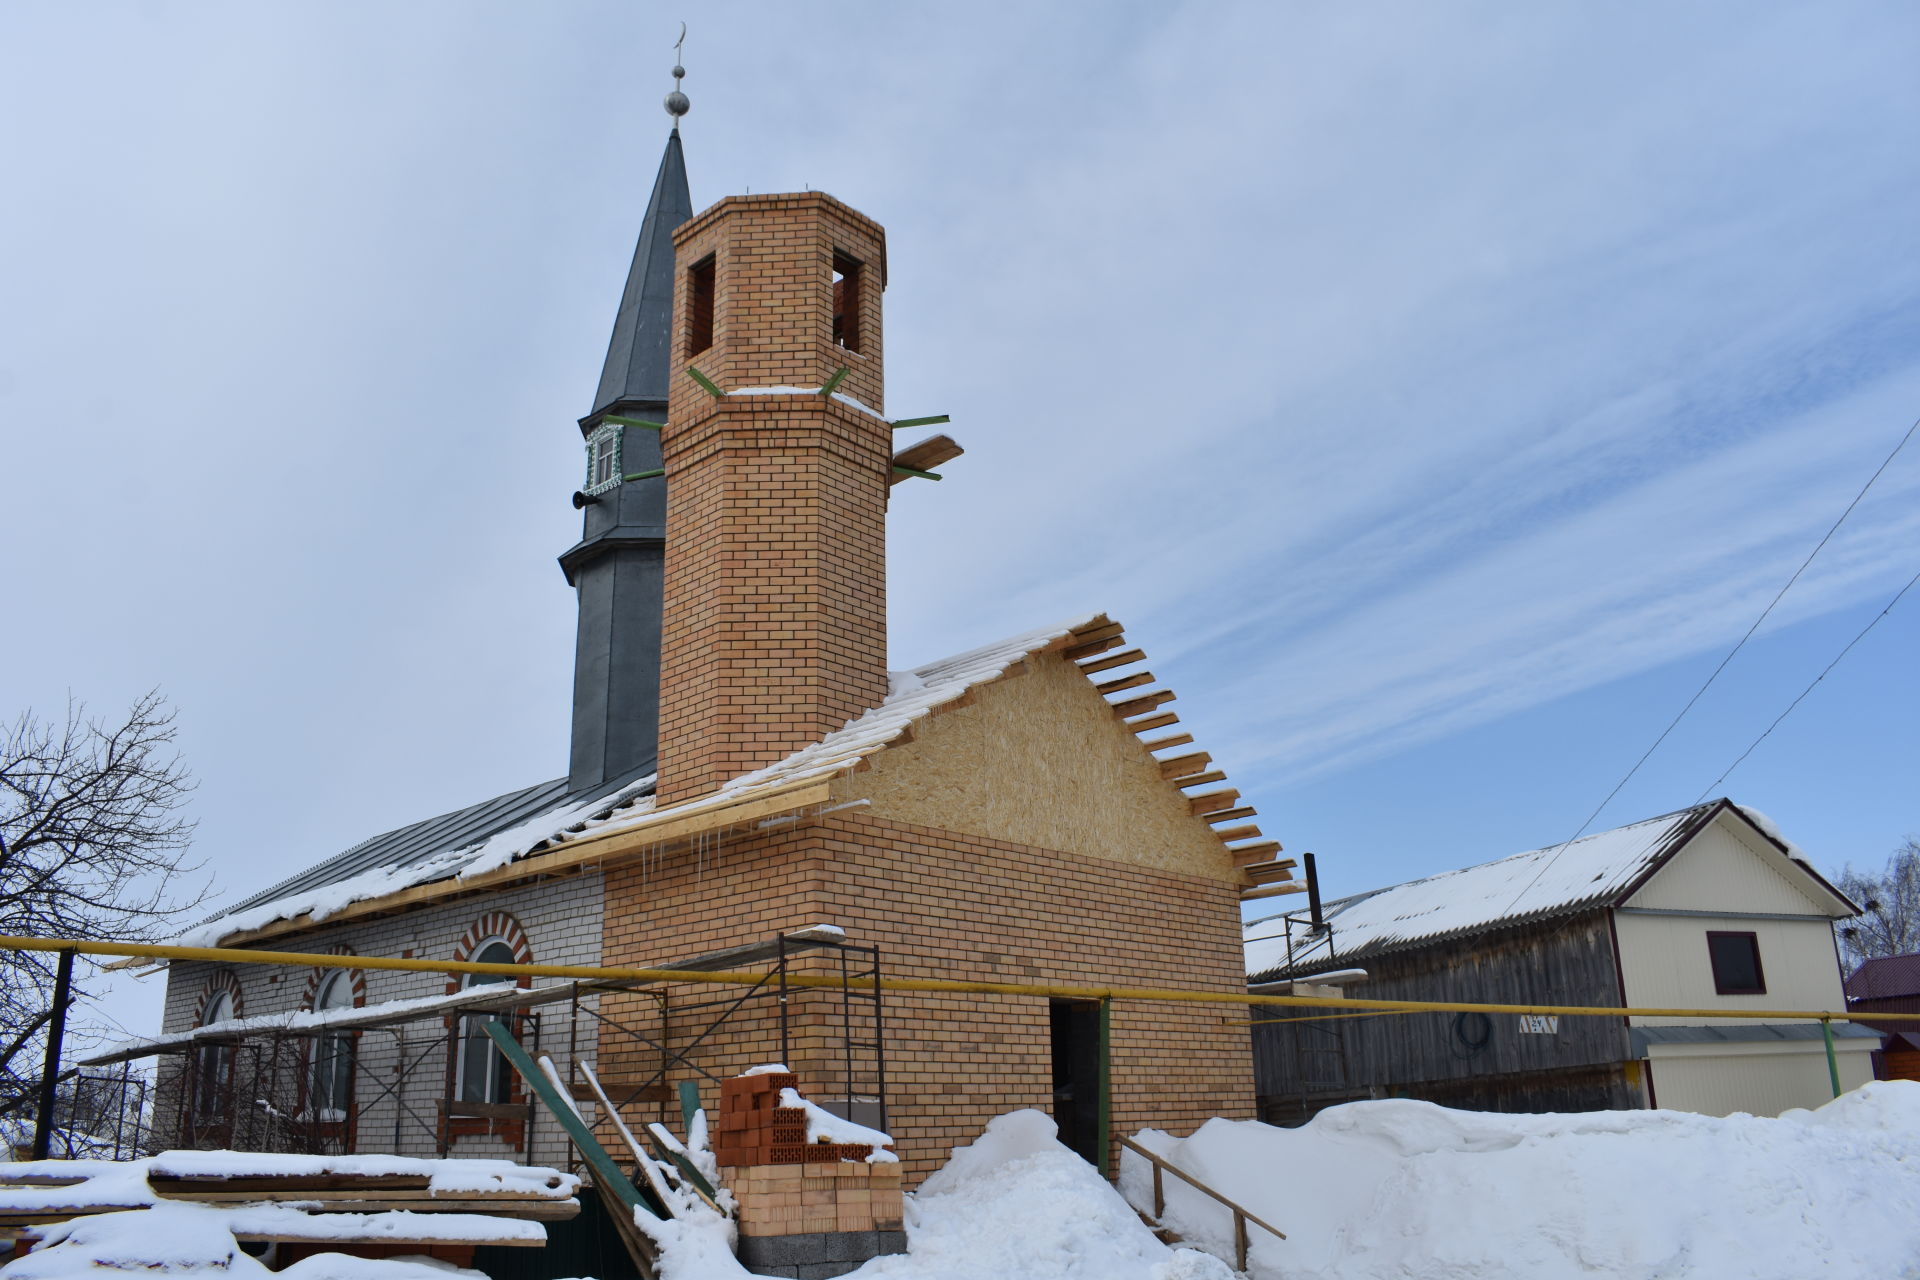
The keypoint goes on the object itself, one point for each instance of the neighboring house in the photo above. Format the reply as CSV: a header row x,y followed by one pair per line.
x,y
1706,908
1890,985
752,789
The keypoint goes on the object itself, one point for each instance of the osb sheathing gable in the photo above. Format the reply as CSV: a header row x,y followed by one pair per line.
x,y
1039,759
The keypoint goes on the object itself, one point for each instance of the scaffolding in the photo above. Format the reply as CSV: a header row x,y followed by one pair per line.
x,y
276,1083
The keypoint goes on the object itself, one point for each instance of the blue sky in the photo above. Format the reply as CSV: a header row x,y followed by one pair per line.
x,y
1436,392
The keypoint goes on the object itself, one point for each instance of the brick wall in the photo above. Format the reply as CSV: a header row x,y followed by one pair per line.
x,y
561,920
945,905
774,620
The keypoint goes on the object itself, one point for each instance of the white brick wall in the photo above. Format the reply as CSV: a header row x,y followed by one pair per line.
x,y
561,919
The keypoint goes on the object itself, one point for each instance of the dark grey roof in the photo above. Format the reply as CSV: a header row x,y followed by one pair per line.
x,y
636,367
413,844
1744,1033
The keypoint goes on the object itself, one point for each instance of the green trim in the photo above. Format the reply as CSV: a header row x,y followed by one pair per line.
x,y
1833,1064
935,420
706,383
833,383
689,1105
910,471
606,1174
645,475
634,422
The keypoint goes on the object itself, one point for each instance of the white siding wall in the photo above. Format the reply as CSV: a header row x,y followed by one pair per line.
x,y
1723,872
1762,1079
562,922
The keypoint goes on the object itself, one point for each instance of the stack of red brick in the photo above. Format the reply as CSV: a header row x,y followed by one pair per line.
x,y
754,1129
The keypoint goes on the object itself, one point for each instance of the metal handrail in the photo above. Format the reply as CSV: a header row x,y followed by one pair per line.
x,y
1240,1216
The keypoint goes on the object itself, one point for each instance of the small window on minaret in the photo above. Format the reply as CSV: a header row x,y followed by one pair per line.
x,y
700,306
603,459
846,301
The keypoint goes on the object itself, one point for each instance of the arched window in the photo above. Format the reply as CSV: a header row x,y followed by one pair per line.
x,y
484,1074
213,1063
330,1085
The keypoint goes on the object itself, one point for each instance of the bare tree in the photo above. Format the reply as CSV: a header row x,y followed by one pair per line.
x,y
91,847
1889,923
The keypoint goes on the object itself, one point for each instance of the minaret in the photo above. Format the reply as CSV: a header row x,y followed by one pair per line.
x,y
617,566
775,609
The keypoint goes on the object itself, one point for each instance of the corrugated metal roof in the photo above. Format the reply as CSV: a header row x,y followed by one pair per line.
x,y
1745,1033
1536,885
420,841
1887,978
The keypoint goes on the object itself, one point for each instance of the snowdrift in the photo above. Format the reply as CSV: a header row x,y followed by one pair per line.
x,y
1413,1191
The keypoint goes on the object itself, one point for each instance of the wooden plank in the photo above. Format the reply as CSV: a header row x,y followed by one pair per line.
x,y
1232,815
1160,721
1181,766
676,1155
1133,681
1098,631
1273,890
604,1170
1201,779
644,1162
1248,854
1113,660
634,1091
1141,705
1171,740
1248,832
1276,872
290,1183
1210,802
489,1110
506,1199
928,454
1087,649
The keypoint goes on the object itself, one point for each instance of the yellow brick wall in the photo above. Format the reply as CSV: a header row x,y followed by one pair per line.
x,y
945,905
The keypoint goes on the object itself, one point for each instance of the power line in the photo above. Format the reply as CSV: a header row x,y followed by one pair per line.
x,y
1715,674
1715,784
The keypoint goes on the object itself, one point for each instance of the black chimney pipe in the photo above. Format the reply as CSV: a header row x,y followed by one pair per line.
x,y
1313,892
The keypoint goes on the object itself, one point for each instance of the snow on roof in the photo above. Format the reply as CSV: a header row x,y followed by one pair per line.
x,y
911,696
1556,880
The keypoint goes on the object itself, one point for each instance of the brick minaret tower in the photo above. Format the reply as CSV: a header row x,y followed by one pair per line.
x,y
774,625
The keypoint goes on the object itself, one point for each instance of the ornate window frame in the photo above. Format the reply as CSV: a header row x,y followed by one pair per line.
x,y
604,447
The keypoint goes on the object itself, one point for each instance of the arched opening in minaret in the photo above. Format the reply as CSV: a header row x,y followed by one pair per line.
x,y
846,301
700,306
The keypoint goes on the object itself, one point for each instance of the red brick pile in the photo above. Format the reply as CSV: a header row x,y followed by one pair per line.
x,y
754,1129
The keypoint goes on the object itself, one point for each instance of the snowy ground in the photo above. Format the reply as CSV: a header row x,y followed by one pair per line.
x,y
1411,1191
1372,1191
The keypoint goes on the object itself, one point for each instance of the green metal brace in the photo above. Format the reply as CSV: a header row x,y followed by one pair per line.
x,y
935,420
634,422
706,383
833,383
645,475
910,471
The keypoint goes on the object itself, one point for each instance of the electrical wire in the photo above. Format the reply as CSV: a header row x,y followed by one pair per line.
x,y
1715,674
1715,784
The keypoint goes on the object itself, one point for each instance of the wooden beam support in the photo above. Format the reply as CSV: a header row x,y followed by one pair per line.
x,y
1171,740
1276,872
1248,854
1248,832
1114,660
1160,721
1212,801
1098,631
1133,681
926,455
1181,766
1087,649
1202,779
1232,815
1273,890
1139,706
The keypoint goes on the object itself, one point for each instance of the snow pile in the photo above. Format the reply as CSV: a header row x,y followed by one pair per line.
x,y
1412,1191
124,1182
824,1126
1015,1205
193,1240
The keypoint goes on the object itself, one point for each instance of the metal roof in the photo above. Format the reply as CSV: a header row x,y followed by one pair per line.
x,y
419,841
636,367
1745,1033
1886,978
